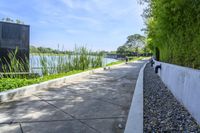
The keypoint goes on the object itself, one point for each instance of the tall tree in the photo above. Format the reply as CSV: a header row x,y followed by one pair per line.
x,y
134,43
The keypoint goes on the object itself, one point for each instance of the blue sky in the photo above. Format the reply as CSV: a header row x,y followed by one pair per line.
x,y
98,24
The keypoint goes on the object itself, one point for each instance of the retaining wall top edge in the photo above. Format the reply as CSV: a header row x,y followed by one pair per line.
x,y
177,66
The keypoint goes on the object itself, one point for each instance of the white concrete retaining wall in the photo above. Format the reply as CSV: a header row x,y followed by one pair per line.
x,y
184,83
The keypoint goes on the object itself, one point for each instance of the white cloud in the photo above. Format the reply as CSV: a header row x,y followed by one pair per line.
x,y
78,4
69,3
89,20
75,32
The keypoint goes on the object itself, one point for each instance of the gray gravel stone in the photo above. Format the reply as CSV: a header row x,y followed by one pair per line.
x,y
162,112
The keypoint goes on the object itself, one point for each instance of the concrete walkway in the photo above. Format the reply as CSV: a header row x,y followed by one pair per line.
x,y
98,103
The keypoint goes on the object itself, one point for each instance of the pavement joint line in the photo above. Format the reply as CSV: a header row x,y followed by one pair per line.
x,y
70,115
43,121
15,122
91,98
103,118
109,101
73,117
72,91
21,128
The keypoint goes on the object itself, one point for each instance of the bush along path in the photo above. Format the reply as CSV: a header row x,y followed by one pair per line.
x,y
162,112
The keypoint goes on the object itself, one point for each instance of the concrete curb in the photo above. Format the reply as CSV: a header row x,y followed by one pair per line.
x,y
134,123
28,90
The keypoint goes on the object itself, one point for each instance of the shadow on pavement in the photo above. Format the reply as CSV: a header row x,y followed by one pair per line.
x,y
96,103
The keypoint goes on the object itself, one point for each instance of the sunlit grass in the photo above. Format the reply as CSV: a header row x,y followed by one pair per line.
x,y
123,61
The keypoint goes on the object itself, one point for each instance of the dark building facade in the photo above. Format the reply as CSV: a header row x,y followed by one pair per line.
x,y
14,36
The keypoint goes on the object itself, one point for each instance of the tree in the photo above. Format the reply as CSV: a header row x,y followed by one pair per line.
x,y
7,20
173,31
121,50
134,43
17,21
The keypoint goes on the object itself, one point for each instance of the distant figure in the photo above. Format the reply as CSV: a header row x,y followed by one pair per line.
x,y
126,58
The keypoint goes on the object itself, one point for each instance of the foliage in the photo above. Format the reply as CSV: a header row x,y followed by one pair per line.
x,y
39,50
49,51
9,20
122,61
13,64
134,44
52,67
115,63
174,28
80,59
11,83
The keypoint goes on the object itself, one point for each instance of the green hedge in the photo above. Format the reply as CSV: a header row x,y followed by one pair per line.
x,y
174,28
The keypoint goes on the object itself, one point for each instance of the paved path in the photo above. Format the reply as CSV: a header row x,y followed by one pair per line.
x,y
98,103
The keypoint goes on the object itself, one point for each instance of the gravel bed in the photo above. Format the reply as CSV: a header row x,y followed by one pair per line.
x,y
162,112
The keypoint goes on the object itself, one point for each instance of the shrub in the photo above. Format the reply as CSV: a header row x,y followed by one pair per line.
x,y
174,28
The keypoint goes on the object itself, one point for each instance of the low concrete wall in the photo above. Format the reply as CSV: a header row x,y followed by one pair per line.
x,y
184,83
134,123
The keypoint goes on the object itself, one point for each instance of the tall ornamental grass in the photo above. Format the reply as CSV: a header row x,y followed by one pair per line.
x,y
80,59
14,64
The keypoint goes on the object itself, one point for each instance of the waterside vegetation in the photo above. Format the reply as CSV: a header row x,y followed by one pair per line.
x,y
80,62
51,67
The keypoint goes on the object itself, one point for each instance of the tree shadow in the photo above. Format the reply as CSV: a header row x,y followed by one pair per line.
x,y
94,101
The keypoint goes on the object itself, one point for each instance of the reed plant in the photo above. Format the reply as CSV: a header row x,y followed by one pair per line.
x,y
44,65
80,59
14,64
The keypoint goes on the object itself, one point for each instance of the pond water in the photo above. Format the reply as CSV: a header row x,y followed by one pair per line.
x,y
35,64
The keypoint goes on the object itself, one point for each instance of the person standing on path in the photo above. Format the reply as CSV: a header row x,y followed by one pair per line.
x,y
126,58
